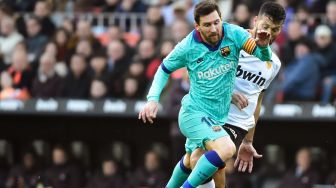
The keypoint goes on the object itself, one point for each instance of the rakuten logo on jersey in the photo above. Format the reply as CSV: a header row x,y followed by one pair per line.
x,y
214,73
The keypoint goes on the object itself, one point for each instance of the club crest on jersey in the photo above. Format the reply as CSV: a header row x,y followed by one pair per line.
x,y
225,51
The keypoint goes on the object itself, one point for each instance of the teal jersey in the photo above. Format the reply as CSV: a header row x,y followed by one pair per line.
x,y
211,70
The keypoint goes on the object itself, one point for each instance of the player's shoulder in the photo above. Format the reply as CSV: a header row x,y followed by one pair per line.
x,y
232,29
185,44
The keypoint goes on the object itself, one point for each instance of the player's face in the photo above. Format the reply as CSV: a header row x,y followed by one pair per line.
x,y
265,23
210,27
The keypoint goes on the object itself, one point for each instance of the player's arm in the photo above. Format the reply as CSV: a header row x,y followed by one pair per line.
x,y
258,47
250,135
246,151
174,61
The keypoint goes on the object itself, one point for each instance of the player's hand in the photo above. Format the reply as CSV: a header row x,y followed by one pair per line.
x,y
239,100
245,156
149,111
263,38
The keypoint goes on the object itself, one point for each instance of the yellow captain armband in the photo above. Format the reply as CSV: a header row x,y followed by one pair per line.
x,y
249,46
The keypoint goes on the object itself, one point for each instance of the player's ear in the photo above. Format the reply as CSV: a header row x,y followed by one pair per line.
x,y
196,26
255,19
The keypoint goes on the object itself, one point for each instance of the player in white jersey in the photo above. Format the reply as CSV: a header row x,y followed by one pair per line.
x,y
252,79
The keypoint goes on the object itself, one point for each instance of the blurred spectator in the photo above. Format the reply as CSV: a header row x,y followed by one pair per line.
x,y
307,21
150,175
331,17
98,89
68,25
62,174
317,6
77,82
133,88
25,175
166,47
51,49
132,6
303,176
35,40
148,58
8,39
98,66
150,32
117,64
326,47
234,179
8,91
47,84
242,16
154,17
85,49
307,65
178,31
42,11
166,11
116,33
61,38
294,34
108,177
60,67
20,70
82,6
110,5
25,6
290,12
180,10
272,167
175,93
113,33
5,11
134,84
83,32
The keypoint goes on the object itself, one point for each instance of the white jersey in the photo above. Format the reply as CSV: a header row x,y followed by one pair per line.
x,y
252,77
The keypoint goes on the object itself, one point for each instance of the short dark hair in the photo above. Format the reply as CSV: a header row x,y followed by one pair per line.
x,y
204,8
274,10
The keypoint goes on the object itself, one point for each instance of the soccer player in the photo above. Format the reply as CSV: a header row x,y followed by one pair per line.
x,y
210,53
252,79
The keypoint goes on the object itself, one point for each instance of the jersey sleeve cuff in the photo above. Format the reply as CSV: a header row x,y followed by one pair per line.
x,y
152,98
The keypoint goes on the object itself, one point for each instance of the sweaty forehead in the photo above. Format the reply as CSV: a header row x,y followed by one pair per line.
x,y
212,17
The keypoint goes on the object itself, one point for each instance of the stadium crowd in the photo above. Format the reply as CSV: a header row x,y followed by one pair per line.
x,y
45,56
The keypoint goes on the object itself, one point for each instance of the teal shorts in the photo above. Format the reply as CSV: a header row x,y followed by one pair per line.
x,y
197,127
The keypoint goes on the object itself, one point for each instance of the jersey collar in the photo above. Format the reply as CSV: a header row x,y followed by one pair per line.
x,y
197,37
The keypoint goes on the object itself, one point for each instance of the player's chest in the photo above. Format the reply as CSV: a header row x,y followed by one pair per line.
x,y
203,59
255,73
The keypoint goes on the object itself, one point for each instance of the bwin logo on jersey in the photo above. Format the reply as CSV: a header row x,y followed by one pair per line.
x,y
213,73
250,76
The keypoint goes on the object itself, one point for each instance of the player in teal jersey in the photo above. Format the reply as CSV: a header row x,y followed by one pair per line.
x,y
248,95
210,53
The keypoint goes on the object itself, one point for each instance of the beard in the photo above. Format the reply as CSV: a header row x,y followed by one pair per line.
x,y
213,38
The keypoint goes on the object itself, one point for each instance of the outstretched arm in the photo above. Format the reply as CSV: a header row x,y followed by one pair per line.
x,y
259,47
246,151
174,61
